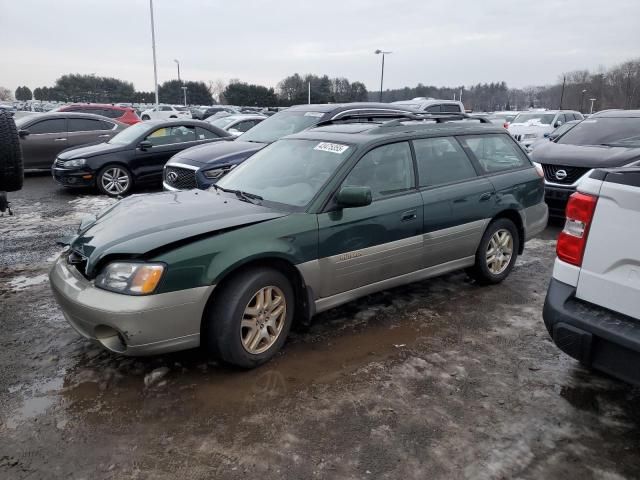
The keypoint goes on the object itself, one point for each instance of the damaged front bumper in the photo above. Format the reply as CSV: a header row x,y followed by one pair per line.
x,y
125,324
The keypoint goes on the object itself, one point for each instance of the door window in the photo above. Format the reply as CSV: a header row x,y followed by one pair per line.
x,y
496,153
88,125
165,109
204,134
58,125
433,109
450,107
171,135
440,161
387,170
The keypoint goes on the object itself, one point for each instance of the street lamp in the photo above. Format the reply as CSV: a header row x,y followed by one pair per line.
x,y
178,64
184,89
153,46
582,101
378,52
591,109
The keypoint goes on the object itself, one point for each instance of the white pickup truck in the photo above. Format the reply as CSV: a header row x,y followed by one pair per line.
x,y
592,309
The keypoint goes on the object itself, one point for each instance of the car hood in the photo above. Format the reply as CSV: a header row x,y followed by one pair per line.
x,y
217,153
590,156
140,224
91,150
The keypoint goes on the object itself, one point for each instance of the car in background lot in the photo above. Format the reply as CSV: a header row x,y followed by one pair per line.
x,y
202,167
165,112
134,156
502,118
310,222
592,309
432,105
554,135
238,124
121,114
43,136
209,111
527,127
608,139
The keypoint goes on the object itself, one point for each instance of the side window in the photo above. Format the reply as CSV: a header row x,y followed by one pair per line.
x,y
165,109
441,160
87,125
433,109
244,126
387,170
496,153
111,113
578,116
58,125
170,135
450,107
561,118
204,134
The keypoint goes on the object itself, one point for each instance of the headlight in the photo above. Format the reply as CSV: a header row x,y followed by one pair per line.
x,y
130,278
215,173
78,162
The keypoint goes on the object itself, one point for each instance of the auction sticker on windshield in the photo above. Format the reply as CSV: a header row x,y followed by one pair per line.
x,y
331,147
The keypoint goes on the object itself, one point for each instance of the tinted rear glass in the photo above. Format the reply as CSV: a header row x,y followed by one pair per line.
x,y
617,132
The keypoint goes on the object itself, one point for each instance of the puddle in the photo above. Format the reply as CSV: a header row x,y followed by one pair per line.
x,y
43,395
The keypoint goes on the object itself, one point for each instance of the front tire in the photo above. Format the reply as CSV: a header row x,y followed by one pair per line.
x,y
250,317
114,180
497,252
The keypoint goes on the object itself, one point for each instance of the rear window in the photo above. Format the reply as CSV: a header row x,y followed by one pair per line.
x,y
58,125
495,153
441,161
87,125
451,108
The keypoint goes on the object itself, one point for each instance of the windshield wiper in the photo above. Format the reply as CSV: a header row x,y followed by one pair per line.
x,y
627,145
247,197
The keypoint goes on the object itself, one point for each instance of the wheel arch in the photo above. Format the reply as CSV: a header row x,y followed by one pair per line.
x,y
515,216
304,305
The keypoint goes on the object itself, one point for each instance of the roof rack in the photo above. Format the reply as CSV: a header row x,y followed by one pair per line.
x,y
398,117
368,116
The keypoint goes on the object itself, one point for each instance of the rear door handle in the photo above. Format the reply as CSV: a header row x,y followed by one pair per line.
x,y
485,196
59,139
103,136
409,215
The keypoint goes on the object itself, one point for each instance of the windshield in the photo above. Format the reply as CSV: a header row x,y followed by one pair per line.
x,y
280,125
288,172
614,132
222,122
542,118
129,134
562,129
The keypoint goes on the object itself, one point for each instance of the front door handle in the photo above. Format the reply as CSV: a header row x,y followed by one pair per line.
x,y
409,215
59,139
103,136
485,196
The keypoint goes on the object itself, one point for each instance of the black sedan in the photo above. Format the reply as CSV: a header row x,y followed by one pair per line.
x,y
134,156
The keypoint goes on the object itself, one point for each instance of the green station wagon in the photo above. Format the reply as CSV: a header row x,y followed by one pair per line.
x,y
310,222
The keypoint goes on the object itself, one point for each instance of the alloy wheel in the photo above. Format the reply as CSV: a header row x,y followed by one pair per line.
x,y
115,180
499,251
263,319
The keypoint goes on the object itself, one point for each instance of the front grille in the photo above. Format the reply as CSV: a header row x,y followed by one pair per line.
x,y
180,178
572,174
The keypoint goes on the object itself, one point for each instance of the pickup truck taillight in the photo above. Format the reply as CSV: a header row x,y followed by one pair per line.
x,y
573,238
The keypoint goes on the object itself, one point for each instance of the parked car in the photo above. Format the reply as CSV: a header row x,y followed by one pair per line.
x,y
134,156
432,105
310,222
165,112
208,112
502,118
238,124
592,309
202,167
527,127
554,135
121,114
43,136
608,139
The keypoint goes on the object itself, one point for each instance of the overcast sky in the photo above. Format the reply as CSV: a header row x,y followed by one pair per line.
x,y
436,42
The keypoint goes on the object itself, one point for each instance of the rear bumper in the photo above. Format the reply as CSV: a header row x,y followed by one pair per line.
x,y
597,337
129,325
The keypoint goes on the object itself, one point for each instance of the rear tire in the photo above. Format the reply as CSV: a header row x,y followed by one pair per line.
x,y
11,166
114,180
497,253
250,317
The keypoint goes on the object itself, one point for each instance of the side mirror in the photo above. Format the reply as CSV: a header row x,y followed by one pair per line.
x,y
547,135
23,133
145,145
558,123
349,197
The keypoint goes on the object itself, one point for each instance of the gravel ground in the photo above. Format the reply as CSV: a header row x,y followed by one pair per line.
x,y
439,379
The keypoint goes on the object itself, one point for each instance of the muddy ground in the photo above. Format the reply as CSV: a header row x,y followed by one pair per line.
x,y
440,379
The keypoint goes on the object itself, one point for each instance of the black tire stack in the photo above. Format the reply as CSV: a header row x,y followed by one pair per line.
x,y
11,168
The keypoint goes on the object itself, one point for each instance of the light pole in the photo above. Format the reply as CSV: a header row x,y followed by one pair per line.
x,y
378,52
184,89
153,46
178,64
591,109
582,101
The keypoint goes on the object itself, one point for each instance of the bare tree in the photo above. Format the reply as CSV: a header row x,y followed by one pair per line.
x,y
5,94
216,88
